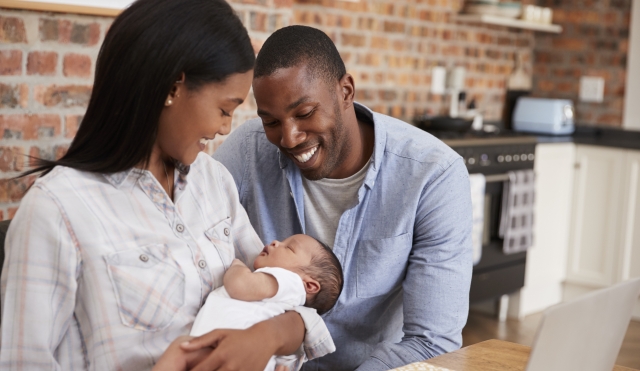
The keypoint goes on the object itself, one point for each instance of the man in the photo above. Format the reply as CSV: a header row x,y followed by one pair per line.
x,y
392,201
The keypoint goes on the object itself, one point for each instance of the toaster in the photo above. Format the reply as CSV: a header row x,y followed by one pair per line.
x,y
543,116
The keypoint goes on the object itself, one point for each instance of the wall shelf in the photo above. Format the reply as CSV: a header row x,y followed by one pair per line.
x,y
508,22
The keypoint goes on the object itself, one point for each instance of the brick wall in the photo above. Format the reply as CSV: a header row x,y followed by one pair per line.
x,y
47,62
595,42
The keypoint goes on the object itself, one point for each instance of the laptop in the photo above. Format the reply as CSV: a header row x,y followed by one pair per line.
x,y
585,334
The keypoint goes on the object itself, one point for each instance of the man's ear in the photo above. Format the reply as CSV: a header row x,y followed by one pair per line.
x,y
347,90
311,286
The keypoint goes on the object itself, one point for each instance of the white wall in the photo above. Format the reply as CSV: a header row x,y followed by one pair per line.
x,y
631,118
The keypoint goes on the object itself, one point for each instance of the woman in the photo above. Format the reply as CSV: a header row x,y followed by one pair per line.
x,y
116,246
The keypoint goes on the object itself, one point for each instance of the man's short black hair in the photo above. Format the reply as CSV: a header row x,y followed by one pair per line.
x,y
290,46
326,269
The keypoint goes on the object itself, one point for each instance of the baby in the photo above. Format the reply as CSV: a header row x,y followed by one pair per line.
x,y
297,271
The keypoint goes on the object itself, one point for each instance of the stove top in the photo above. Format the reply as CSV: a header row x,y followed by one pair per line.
x,y
491,152
482,138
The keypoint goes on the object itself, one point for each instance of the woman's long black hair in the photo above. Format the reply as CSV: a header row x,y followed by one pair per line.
x,y
146,50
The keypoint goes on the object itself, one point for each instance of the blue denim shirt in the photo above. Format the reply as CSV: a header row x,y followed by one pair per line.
x,y
404,244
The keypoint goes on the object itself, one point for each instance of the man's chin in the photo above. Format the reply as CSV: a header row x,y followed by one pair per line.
x,y
313,174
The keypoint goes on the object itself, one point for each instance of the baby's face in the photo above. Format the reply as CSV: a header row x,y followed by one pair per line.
x,y
292,253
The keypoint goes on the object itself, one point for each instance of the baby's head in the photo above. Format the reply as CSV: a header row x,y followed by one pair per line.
x,y
314,261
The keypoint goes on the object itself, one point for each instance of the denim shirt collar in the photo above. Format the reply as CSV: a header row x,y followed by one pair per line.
x,y
380,137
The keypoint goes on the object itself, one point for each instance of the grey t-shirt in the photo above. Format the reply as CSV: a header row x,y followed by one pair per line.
x,y
325,200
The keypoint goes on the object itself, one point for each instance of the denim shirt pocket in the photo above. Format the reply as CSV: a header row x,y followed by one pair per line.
x,y
149,286
221,237
381,265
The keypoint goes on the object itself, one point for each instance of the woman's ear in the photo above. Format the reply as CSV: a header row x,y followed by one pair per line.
x,y
311,286
177,87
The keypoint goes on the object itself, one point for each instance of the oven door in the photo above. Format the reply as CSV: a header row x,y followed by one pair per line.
x,y
496,273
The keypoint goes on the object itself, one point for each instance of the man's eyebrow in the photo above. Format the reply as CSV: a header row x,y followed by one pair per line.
x,y
297,103
293,105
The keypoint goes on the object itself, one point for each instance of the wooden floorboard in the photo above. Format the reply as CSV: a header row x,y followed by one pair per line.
x,y
481,327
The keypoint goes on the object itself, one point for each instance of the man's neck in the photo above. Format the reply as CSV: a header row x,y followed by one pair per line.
x,y
360,145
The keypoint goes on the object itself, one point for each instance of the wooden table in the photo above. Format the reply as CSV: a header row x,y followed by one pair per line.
x,y
490,355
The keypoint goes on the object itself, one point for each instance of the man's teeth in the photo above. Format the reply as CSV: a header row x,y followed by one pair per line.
x,y
306,156
204,141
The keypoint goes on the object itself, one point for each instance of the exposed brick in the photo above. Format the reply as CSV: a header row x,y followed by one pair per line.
x,y
10,62
42,63
49,29
283,3
12,96
12,190
85,34
63,96
11,158
12,212
28,127
12,30
258,21
353,40
76,65
72,123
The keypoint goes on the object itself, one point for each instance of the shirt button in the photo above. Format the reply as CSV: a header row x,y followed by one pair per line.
x,y
180,228
227,232
202,264
144,258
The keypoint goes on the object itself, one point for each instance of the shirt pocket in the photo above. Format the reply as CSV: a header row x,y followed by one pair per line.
x,y
222,239
381,265
149,286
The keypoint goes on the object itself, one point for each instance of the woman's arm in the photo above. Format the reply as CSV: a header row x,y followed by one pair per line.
x,y
242,284
279,335
39,283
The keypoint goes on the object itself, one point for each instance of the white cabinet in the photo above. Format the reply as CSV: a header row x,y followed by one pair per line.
x,y
547,258
629,260
604,246
597,212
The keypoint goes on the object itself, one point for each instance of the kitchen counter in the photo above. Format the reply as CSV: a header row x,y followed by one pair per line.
x,y
597,136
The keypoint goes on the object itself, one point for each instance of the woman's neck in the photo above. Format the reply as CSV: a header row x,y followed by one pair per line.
x,y
162,169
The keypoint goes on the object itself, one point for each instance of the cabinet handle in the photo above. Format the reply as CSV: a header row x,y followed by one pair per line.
x,y
576,165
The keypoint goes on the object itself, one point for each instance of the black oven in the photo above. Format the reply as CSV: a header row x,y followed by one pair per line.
x,y
497,273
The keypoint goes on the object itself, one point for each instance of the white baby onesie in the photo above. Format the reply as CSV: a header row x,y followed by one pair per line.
x,y
221,311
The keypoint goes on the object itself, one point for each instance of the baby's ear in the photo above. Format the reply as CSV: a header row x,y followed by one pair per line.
x,y
311,286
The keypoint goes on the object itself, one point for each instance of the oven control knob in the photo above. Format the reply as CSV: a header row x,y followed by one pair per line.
x,y
471,161
507,158
516,157
500,158
531,156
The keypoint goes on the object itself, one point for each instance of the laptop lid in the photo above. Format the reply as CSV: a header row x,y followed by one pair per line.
x,y
585,334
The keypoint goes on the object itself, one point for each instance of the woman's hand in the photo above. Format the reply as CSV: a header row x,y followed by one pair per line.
x,y
234,350
249,349
177,359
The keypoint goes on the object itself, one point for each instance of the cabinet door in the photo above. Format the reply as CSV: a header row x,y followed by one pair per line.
x,y
630,253
594,246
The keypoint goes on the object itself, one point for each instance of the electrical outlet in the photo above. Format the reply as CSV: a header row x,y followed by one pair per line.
x,y
591,89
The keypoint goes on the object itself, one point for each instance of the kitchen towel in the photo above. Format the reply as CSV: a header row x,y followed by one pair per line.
x,y
478,184
516,221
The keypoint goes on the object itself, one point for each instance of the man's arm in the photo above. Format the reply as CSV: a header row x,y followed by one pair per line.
x,y
242,284
436,287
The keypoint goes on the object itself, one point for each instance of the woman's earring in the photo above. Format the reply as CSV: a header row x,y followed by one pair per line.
x,y
169,102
